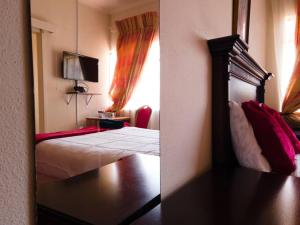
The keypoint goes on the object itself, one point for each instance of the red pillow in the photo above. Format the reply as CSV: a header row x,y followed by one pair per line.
x,y
275,144
289,132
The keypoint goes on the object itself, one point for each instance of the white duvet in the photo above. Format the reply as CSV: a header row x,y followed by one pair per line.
x,y
66,157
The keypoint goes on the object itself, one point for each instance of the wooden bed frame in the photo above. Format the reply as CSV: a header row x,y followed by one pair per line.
x,y
238,77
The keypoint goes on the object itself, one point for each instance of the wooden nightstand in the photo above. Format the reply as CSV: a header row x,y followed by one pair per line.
x,y
230,196
94,121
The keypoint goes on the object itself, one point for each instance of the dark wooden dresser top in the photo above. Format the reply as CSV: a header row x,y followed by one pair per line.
x,y
114,194
234,197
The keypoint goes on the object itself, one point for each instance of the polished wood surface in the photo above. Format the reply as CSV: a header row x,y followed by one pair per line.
x,y
153,217
235,76
94,121
236,196
115,194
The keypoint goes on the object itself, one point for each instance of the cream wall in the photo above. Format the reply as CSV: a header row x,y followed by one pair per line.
x,y
261,45
186,86
93,41
272,86
258,31
16,110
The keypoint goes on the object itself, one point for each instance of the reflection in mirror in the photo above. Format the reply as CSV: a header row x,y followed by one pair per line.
x,y
96,92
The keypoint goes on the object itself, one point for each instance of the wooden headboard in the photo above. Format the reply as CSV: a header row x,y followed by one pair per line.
x,y
238,77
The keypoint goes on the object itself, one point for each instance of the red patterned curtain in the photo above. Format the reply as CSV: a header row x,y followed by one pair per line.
x,y
291,101
135,38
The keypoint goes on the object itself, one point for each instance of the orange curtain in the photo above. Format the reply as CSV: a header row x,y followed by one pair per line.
x,y
291,101
135,38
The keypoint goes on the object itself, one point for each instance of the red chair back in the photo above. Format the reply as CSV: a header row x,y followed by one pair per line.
x,y
142,116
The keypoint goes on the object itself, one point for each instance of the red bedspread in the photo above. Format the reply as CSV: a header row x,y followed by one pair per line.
x,y
60,134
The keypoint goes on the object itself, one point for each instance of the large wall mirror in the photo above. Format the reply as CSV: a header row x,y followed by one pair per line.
x,y
96,93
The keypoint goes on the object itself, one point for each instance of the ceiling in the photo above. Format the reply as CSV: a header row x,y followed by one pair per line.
x,y
109,6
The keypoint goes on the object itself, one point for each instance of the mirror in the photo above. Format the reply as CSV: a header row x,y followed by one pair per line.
x,y
96,93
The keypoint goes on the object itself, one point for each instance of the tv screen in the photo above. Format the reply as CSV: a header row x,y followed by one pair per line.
x,y
80,67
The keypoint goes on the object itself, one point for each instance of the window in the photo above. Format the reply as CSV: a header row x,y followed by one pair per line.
x,y
147,90
288,52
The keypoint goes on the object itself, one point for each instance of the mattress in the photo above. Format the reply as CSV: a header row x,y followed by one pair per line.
x,y
62,158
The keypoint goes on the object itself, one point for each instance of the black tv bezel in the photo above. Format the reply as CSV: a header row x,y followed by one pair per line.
x,y
77,54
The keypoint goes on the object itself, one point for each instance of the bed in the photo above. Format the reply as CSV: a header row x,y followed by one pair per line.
x,y
236,77
61,158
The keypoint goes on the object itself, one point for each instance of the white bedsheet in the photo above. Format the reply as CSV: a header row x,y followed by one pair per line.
x,y
66,157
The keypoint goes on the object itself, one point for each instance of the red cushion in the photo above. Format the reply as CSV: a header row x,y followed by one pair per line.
x,y
276,145
289,132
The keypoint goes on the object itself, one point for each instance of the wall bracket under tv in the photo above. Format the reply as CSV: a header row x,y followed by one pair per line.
x,y
88,96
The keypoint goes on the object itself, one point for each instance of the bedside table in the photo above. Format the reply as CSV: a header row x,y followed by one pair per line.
x,y
94,121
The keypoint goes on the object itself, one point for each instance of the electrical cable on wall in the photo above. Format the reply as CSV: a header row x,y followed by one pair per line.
x,y
85,86
77,26
76,82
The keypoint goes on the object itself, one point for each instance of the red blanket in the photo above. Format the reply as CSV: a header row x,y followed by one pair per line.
x,y
60,134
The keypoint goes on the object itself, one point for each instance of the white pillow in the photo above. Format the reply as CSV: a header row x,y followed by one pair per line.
x,y
246,148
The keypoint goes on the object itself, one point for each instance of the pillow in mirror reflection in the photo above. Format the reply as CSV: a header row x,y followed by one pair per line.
x,y
106,115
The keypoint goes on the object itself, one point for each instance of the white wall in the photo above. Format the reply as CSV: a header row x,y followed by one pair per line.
x,y
186,86
16,110
93,41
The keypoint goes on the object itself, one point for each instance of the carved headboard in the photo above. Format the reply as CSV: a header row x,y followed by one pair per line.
x,y
238,77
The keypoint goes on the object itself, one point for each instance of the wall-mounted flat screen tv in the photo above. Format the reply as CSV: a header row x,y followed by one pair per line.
x,y
80,67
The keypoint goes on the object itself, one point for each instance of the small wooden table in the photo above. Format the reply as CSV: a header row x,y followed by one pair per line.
x,y
94,121
231,196
114,194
